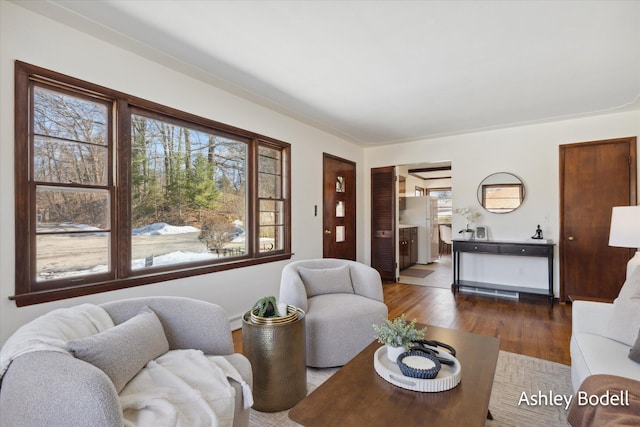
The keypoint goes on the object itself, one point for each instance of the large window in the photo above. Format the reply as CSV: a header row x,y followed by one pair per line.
x,y
114,191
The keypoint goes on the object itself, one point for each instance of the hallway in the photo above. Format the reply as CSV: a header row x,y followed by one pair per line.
x,y
441,277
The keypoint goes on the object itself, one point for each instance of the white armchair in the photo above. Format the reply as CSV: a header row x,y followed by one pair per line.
x,y
342,300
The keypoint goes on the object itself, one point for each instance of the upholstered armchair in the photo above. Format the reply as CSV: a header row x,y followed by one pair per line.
x,y
342,300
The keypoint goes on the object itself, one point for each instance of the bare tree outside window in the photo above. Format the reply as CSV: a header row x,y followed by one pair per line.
x,y
188,194
113,191
73,202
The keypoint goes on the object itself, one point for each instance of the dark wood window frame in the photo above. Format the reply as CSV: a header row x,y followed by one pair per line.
x,y
27,291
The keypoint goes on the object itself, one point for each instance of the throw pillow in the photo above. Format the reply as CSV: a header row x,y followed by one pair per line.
x,y
625,321
122,351
631,286
634,353
318,281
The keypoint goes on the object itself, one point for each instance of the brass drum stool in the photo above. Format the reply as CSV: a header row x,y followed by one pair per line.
x,y
276,349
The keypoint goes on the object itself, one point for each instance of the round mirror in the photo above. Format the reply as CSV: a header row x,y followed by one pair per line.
x,y
501,192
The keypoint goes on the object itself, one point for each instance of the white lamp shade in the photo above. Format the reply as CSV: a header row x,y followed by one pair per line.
x,y
625,227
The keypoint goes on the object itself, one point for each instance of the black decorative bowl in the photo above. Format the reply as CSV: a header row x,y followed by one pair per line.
x,y
413,371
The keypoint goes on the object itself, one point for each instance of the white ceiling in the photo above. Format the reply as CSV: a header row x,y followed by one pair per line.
x,y
381,72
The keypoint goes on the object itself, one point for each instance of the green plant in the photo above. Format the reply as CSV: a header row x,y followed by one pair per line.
x,y
398,332
267,307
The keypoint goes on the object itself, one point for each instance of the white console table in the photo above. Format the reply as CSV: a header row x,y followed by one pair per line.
x,y
542,249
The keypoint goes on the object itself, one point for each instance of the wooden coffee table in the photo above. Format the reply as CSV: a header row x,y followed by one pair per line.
x,y
357,395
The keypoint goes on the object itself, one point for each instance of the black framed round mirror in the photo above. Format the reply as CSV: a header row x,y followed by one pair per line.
x,y
501,192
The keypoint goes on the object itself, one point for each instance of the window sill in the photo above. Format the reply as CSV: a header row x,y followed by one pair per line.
x,y
39,297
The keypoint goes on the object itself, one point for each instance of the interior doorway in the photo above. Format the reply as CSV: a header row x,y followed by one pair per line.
x,y
396,191
594,177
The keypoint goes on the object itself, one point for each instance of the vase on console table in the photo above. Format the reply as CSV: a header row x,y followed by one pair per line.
x,y
467,235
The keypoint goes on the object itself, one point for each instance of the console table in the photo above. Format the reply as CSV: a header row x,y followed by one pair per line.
x,y
502,248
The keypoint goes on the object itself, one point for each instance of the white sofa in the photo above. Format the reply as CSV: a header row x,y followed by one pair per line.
x,y
603,334
593,351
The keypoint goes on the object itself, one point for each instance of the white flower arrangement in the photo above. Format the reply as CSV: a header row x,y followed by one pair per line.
x,y
470,215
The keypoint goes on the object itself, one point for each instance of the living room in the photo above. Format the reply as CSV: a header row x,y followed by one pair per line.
x,y
34,35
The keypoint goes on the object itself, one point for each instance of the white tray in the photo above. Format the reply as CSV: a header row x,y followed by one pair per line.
x,y
447,378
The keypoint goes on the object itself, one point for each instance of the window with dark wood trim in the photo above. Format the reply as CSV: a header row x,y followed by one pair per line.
x,y
113,191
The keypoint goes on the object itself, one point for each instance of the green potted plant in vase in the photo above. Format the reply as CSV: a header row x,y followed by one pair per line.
x,y
267,307
397,335
471,217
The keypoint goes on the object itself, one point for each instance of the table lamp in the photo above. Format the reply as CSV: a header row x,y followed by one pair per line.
x,y
625,232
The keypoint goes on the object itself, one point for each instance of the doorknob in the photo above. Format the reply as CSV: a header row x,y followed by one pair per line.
x,y
327,231
571,238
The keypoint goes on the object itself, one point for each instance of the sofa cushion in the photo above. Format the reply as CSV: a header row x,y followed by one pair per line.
x,y
600,355
634,353
319,281
625,320
125,349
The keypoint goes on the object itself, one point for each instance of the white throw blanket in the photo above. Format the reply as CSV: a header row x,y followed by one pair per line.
x,y
51,331
183,388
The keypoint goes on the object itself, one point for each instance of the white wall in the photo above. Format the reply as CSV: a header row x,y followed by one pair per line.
x,y
532,153
29,37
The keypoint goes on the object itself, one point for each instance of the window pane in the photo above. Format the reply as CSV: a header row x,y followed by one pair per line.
x,y
271,225
188,194
61,256
269,173
69,162
62,116
499,199
64,209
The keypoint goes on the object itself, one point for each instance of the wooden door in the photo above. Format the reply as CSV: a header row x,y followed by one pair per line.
x,y
339,208
403,248
413,245
383,221
594,177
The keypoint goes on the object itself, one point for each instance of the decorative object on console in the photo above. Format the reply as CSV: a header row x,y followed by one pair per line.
x,y
470,216
397,335
625,232
481,233
538,234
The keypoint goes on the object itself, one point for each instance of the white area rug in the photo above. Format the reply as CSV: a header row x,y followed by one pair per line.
x,y
516,375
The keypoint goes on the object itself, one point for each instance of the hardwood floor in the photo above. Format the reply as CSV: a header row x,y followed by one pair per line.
x,y
529,327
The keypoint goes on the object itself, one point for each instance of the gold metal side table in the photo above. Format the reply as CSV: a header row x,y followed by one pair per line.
x,y
277,355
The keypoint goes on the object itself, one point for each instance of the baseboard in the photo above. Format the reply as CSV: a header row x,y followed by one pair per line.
x,y
236,321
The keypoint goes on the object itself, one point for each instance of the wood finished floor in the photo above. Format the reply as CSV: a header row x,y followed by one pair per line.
x,y
529,327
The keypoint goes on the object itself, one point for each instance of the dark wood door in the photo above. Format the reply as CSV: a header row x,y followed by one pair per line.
x,y
383,221
339,208
594,177
413,246
403,248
